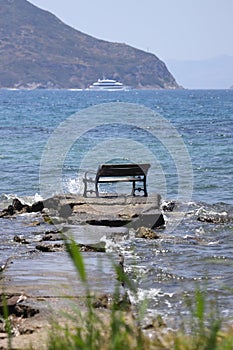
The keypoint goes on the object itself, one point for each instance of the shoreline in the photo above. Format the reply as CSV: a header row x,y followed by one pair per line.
x,y
45,279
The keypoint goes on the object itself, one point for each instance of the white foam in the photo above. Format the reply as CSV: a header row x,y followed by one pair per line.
x,y
74,185
143,294
38,197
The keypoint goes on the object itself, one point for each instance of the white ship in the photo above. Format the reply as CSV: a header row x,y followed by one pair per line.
x,y
107,85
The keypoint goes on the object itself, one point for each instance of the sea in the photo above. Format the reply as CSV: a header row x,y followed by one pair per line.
x,y
50,138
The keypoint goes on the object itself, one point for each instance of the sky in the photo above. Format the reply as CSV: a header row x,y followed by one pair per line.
x,y
171,29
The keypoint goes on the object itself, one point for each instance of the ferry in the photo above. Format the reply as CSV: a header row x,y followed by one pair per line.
x,y
107,85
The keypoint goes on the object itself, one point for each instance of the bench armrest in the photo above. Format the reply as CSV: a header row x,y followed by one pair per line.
x,y
89,176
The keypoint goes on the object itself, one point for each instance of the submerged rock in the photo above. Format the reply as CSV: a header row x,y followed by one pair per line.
x,y
168,206
145,232
20,239
215,218
52,236
61,247
102,302
98,247
34,223
49,248
122,302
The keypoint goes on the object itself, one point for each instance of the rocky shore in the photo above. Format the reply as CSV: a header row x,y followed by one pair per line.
x,y
40,282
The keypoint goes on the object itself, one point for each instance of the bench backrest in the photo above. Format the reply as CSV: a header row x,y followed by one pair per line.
x,y
122,170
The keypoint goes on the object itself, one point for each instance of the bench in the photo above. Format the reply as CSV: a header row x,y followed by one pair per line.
x,y
110,173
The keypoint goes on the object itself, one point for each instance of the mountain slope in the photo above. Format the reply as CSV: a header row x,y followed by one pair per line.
x,y
39,50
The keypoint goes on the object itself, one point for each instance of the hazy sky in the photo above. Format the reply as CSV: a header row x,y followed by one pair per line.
x,y
171,29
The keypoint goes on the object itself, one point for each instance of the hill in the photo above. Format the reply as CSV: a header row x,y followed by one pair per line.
x,y
39,50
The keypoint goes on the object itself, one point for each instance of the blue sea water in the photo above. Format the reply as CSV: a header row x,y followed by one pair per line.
x,y
203,120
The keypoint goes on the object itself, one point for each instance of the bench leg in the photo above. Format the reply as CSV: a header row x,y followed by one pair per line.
x,y
97,189
85,189
133,189
145,190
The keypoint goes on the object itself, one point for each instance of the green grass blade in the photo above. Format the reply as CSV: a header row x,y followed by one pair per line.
x,y
76,256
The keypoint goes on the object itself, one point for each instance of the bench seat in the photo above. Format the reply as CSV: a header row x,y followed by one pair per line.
x,y
112,173
118,179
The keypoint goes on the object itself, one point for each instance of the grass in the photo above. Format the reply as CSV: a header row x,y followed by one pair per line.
x,y
203,327
112,332
120,330
7,322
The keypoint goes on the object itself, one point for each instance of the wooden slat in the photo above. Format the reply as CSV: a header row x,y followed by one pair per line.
x,y
122,170
119,179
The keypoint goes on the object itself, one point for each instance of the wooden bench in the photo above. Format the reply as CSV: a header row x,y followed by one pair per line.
x,y
110,173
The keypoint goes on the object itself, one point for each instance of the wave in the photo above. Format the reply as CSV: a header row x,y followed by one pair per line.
x,y
7,198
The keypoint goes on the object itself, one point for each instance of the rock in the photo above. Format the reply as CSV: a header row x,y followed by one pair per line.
x,y
50,248
152,221
108,222
122,303
104,301
53,232
121,277
52,203
18,208
145,232
7,212
98,247
169,206
215,218
52,236
15,307
38,206
17,205
65,210
128,216
4,265
10,209
60,247
21,240
101,302
48,219
156,323
25,311
34,223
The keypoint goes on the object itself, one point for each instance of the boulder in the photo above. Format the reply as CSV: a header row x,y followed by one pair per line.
x,y
151,220
145,232
65,210
36,207
17,207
